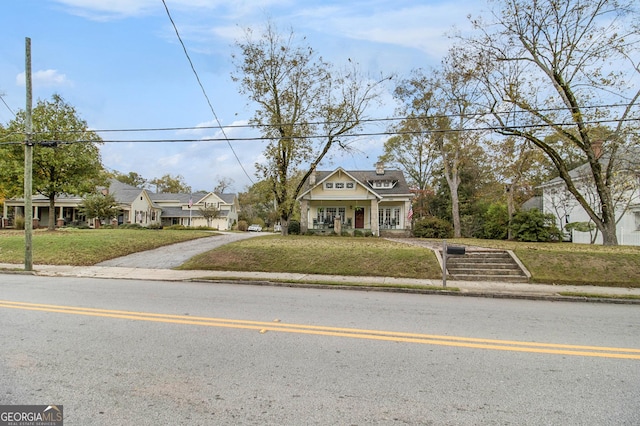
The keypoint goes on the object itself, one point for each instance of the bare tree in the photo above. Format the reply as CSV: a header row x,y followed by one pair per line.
x,y
303,108
562,68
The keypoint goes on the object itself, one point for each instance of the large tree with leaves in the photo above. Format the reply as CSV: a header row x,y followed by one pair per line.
x,y
303,108
564,68
66,156
170,184
440,104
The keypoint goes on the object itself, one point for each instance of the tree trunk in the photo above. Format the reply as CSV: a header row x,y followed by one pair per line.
x,y
453,180
609,237
284,225
52,213
455,211
510,210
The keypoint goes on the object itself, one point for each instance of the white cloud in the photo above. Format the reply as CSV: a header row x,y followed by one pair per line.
x,y
44,78
116,9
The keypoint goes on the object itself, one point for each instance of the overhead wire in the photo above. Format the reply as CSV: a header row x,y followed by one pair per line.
x,y
204,92
314,123
6,105
346,135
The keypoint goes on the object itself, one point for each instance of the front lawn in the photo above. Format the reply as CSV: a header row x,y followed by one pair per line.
x,y
575,264
87,246
321,255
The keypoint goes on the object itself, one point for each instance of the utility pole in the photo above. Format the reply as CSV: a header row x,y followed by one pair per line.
x,y
28,166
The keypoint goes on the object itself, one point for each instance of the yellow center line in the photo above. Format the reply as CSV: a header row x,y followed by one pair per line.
x,y
466,342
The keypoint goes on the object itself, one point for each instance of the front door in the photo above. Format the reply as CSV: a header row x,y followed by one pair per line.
x,y
359,219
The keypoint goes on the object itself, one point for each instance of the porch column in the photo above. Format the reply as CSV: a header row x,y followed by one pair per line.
x,y
375,227
407,221
60,221
36,212
304,216
5,218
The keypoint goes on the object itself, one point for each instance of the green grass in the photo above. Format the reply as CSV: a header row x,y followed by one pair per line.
x,y
321,255
573,264
600,296
553,263
87,247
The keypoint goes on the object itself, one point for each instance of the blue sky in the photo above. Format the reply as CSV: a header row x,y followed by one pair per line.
x,y
120,64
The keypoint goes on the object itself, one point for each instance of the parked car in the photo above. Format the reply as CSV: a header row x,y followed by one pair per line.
x,y
254,228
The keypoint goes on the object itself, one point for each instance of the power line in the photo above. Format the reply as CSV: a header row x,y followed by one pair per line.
x,y
5,104
347,135
204,92
314,123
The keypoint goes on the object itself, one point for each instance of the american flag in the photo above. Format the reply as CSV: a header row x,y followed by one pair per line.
x,y
410,214
190,202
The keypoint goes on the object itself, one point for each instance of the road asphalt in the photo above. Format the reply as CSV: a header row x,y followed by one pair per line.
x,y
156,265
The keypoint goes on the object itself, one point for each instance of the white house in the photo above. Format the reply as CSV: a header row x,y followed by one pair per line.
x,y
557,200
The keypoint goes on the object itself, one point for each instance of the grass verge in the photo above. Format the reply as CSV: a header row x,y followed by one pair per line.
x,y
87,246
338,284
321,255
573,264
599,296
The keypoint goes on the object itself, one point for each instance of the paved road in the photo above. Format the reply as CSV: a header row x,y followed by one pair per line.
x,y
141,352
168,257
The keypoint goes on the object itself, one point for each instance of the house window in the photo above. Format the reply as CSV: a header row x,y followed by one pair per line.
x,y
389,218
327,215
339,185
350,185
637,217
328,185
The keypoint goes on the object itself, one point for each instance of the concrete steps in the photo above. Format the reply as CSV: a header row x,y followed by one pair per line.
x,y
485,266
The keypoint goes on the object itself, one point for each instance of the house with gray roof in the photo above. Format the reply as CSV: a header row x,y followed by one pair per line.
x,y
137,205
376,201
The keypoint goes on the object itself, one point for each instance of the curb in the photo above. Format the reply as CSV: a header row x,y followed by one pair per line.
x,y
459,293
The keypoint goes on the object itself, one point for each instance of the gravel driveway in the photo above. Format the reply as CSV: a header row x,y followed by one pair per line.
x,y
174,255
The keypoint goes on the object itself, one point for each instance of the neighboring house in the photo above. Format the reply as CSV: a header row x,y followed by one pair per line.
x,y
184,209
566,209
137,205
376,201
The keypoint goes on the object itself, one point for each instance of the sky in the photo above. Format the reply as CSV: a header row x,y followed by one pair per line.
x,y
121,65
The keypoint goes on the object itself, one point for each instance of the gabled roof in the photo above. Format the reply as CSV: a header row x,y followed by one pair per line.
x,y
179,197
628,159
366,178
123,193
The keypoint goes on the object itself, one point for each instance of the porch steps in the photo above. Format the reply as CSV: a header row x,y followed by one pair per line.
x,y
485,266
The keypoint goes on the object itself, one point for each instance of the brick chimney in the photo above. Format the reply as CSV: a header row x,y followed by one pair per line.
x,y
380,168
312,178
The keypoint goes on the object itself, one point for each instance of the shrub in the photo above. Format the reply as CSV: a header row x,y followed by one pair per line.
x,y
535,226
357,233
131,226
174,227
155,226
294,227
243,225
18,222
496,222
432,227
